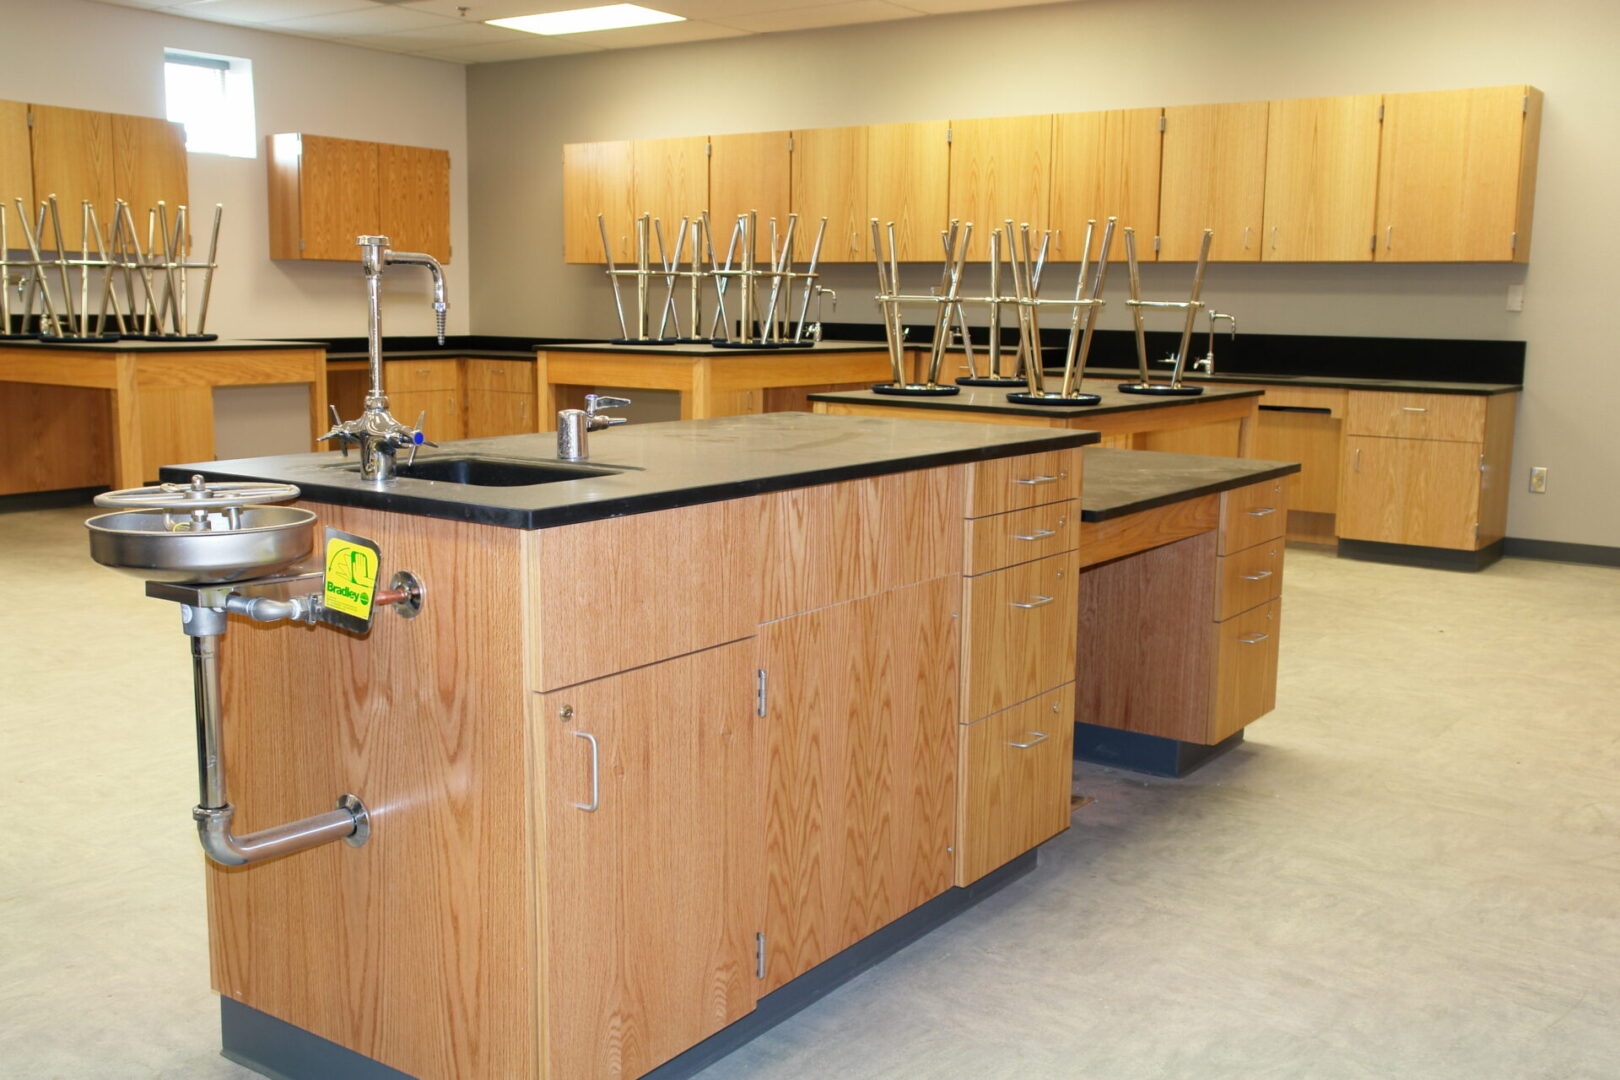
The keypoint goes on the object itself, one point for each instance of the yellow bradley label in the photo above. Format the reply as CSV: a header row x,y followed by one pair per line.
x,y
351,576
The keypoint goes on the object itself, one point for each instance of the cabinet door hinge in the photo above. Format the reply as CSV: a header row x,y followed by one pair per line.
x,y
31,116
790,144
949,133
1155,245
1513,242
708,149
1524,105
1374,247
1161,123
1380,114
759,694
759,955
300,243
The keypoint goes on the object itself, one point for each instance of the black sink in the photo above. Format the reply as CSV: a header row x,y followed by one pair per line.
x,y
480,471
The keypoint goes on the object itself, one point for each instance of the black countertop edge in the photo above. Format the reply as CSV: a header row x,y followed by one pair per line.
x,y
454,344
525,357
1328,382
977,399
1204,476
130,345
822,347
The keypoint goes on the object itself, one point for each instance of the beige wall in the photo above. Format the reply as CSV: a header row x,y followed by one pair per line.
x,y
1114,53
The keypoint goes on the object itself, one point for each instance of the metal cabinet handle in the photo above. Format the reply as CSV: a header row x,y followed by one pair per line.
x,y
596,774
1039,601
1038,534
497,371
1389,235
1413,408
1261,576
1245,238
1358,459
1263,511
1274,238
1040,737
1252,639
1034,480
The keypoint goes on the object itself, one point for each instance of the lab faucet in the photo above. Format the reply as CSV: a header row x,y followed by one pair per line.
x,y
1206,363
574,424
378,435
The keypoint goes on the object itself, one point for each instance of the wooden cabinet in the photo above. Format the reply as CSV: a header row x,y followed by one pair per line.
x,y
829,179
1000,169
1021,633
439,411
1214,177
1014,483
326,192
907,182
500,397
149,165
1252,514
1105,164
1245,669
73,160
1321,179
16,162
670,180
1017,769
1456,175
597,180
650,811
748,173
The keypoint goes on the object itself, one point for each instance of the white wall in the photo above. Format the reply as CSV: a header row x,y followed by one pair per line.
x,y
1117,53
98,56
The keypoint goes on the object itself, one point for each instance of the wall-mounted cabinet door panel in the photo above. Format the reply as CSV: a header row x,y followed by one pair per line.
x,y
1321,179
596,180
73,160
338,196
1214,178
415,198
149,164
1105,164
1449,174
907,182
16,163
1001,169
670,180
748,173
829,180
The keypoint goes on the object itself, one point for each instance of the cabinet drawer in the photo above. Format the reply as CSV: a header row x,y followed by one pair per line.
x,y
1248,577
1246,668
1020,633
1018,482
515,375
1252,515
1004,539
1451,417
409,375
1017,770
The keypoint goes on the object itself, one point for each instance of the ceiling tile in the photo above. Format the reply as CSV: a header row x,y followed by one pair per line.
x,y
951,7
719,10
263,11
483,10
374,19
532,49
809,18
634,37
449,36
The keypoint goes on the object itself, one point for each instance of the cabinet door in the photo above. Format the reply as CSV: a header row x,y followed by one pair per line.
x,y
149,164
907,177
1001,169
670,180
16,161
829,180
1017,774
499,412
73,160
1321,179
747,172
443,421
1214,178
414,197
1245,669
860,762
1410,491
650,816
1312,439
596,180
1105,164
1449,173
337,196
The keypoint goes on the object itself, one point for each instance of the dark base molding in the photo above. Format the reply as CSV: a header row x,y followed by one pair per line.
x,y
1558,551
282,1051
1432,558
1152,754
49,500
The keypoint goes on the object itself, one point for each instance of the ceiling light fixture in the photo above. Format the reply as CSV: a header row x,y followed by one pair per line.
x,y
584,20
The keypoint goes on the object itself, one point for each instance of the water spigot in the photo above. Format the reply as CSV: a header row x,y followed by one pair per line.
x,y
574,424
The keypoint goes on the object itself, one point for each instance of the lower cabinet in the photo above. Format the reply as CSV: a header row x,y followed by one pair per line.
x,y
499,412
1017,770
439,412
649,809
1411,491
1245,669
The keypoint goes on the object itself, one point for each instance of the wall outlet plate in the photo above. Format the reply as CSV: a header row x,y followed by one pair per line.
x,y
1538,479
1515,298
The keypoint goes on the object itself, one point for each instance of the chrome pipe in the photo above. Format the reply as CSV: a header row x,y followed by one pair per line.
x,y
84,269
36,280
888,287
959,245
1072,347
1192,308
1095,307
5,274
942,311
994,361
62,269
1028,322
812,268
171,306
782,263
721,326
1136,304
208,272
612,275
643,255
695,277
182,250
143,269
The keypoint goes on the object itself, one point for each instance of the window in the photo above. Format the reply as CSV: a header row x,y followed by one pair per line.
x,y
213,97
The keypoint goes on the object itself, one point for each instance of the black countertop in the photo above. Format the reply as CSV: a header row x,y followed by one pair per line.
x,y
705,349
1340,382
679,463
130,345
993,399
1120,482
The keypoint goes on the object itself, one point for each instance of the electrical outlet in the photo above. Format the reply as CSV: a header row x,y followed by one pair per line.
x,y
1538,479
1515,299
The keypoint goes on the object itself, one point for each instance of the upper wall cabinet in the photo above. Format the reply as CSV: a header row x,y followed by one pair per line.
x,y
907,182
326,192
149,164
1214,178
597,180
748,173
1457,174
80,155
1105,164
829,180
16,162
1000,170
670,180
1321,179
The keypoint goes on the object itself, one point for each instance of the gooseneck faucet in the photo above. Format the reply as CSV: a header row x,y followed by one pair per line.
x,y
378,435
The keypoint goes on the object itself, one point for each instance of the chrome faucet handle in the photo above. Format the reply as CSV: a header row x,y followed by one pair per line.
x,y
594,420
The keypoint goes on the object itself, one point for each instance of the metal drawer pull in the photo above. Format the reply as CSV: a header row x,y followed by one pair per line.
x,y
1038,534
1039,601
1413,408
1261,576
1033,480
1263,511
1252,639
1040,737
596,775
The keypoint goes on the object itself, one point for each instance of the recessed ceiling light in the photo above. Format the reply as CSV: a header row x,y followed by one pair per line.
x,y
584,20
